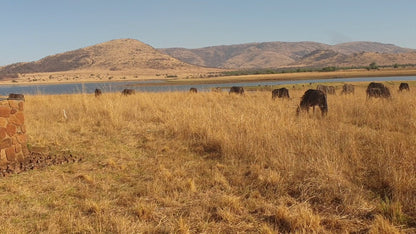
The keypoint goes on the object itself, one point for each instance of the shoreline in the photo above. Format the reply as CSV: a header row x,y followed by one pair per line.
x,y
235,79
302,76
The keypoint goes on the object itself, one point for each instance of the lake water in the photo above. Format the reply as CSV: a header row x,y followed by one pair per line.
x,y
118,86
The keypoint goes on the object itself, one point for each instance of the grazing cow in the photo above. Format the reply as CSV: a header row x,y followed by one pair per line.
x,y
326,89
237,90
323,88
16,96
377,90
311,98
280,93
98,92
374,92
193,90
128,92
348,89
331,90
404,86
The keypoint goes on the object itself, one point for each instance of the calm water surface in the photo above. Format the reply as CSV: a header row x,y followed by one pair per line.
x,y
118,86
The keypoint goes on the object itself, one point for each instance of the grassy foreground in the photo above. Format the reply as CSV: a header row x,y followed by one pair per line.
x,y
213,162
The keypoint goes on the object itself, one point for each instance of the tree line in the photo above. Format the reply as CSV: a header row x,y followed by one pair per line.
x,y
259,71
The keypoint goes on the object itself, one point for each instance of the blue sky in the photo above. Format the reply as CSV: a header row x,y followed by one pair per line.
x,y
33,29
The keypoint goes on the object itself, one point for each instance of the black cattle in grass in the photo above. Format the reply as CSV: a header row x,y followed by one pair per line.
x,y
16,96
377,90
374,92
237,90
98,92
312,98
280,93
404,86
128,92
348,89
193,90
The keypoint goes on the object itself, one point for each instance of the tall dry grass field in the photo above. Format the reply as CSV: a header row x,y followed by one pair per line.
x,y
214,162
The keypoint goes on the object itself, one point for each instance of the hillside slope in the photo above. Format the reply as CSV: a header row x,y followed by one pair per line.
x,y
282,54
325,58
251,55
115,55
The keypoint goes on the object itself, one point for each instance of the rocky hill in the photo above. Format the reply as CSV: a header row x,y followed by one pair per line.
x,y
365,46
325,58
252,55
286,54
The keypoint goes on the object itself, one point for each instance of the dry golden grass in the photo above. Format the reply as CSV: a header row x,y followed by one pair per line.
x,y
214,162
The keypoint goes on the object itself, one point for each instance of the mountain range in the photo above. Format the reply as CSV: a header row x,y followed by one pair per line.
x,y
294,54
139,58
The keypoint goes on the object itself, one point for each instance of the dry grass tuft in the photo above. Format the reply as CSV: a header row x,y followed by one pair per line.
x,y
381,225
85,178
298,218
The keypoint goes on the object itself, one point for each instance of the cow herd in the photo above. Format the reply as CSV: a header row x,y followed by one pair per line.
x,y
318,96
311,98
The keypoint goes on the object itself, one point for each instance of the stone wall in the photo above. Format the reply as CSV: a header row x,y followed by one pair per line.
x,y
13,146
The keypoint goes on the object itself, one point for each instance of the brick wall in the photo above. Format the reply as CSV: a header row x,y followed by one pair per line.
x,y
13,146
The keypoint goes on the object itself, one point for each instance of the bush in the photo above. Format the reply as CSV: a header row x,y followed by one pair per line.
x,y
372,66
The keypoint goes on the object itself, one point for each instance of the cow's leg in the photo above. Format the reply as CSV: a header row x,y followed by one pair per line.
x,y
323,112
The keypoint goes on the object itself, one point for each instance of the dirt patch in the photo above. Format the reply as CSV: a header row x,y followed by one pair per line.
x,y
38,159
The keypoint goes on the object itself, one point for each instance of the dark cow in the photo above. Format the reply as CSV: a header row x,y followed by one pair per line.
x,y
377,90
280,93
311,98
374,92
237,90
16,96
128,92
348,89
326,89
98,92
404,86
193,90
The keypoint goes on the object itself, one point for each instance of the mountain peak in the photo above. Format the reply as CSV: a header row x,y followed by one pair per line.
x,y
114,55
125,43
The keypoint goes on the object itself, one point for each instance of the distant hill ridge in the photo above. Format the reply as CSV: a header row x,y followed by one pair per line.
x,y
286,54
136,56
115,55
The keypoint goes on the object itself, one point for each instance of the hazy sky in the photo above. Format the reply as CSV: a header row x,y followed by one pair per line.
x,y
33,29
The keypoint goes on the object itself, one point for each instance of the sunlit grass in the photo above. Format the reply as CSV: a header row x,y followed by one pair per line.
x,y
214,162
